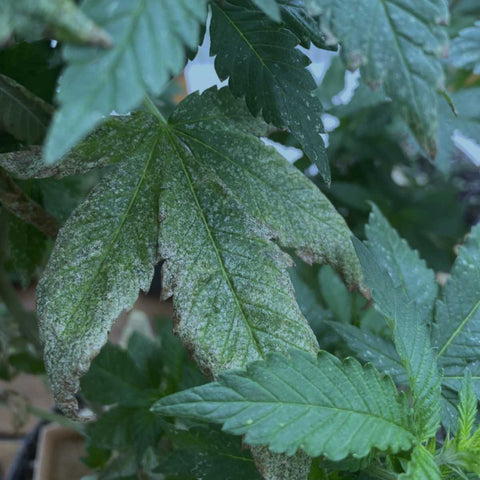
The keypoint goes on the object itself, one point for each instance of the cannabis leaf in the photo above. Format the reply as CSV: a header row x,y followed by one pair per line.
x,y
396,44
31,19
103,255
374,349
260,59
456,331
320,405
404,316
232,294
206,452
422,466
148,48
403,264
22,114
465,49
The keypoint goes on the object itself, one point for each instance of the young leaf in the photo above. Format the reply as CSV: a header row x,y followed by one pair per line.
x,y
260,59
404,266
465,49
149,38
403,316
103,256
22,114
467,411
320,405
396,44
422,466
456,331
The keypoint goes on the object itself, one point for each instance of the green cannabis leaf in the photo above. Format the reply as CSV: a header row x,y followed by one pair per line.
x,y
465,49
147,49
251,50
403,264
404,315
396,44
317,404
456,331
422,466
207,453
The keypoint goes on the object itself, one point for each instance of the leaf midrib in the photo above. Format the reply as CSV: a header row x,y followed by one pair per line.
x,y
250,403
459,329
225,274
258,178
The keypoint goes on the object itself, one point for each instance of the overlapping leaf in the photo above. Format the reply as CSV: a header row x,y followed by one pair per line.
x,y
317,404
232,294
373,349
456,331
104,254
396,43
404,266
260,59
149,38
465,51
207,453
22,114
422,466
411,334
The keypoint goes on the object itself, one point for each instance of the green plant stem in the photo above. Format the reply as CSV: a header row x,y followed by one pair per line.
x,y
152,108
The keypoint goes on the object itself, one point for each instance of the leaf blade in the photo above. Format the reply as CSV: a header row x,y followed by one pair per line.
x,y
245,403
398,47
417,356
103,256
284,91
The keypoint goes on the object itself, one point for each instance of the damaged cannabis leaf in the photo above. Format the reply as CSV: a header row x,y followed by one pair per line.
x,y
232,292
